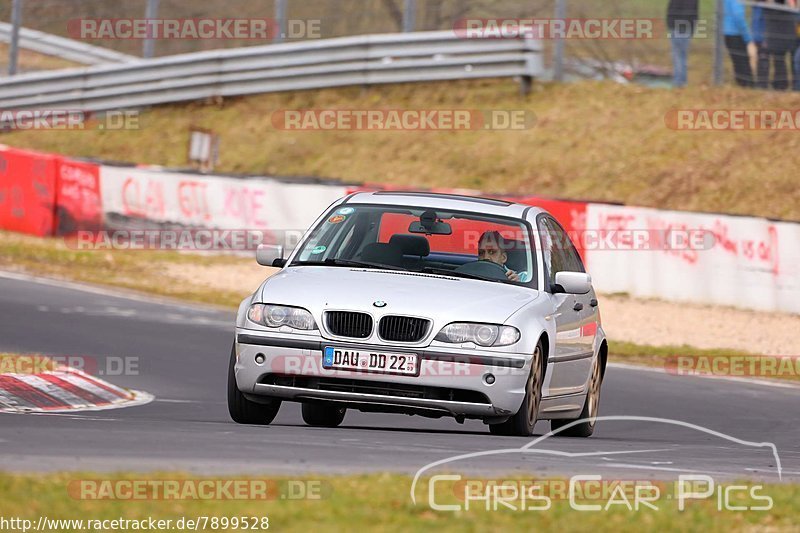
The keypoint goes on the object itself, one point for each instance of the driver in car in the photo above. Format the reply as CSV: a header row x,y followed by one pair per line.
x,y
492,247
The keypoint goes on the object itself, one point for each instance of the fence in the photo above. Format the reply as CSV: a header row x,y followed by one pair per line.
x,y
363,60
594,58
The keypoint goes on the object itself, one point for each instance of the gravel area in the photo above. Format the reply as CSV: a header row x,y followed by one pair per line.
x,y
659,323
244,277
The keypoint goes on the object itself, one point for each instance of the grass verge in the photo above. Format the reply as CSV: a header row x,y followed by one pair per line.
x,y
153,272
629,352
688,360
371,502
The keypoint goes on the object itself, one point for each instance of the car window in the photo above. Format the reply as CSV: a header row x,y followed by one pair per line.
x,y
573,258
393,236
560,255
464,237
327,238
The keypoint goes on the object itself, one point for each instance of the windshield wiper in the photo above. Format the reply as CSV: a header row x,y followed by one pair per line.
x,y
453,273
347,263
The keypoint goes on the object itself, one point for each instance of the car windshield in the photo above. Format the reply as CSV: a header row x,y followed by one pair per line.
x,y
455,243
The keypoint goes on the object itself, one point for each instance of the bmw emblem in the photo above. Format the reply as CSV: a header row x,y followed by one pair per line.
x,y
379,303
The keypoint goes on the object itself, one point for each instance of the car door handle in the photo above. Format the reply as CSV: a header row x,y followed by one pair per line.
x,y
593,302
578,307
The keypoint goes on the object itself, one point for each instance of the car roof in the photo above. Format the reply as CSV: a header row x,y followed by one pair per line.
x,y
445,201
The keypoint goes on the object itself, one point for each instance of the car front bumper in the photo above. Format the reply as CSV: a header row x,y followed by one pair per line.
x,y
451,382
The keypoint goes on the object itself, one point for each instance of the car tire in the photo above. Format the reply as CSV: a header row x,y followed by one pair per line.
x,y
324,415
244,411
522,423
591,406
500,430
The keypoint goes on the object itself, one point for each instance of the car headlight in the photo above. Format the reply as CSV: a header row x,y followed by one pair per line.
x,y
480,334
276,316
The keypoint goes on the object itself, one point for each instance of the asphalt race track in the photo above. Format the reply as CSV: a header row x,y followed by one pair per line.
x,y
182,360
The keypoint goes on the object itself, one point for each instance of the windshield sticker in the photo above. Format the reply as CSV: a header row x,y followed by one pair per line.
x,y
346,211
319,249
337,219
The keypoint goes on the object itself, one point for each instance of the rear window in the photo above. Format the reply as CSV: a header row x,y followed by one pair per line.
x,y
464,239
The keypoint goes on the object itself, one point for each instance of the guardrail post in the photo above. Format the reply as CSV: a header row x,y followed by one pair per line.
x,y
525,85
533,64
13,49
410,16
149,44
558,51
280,21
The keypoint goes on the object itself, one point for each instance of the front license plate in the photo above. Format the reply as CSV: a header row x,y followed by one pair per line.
x,y
406,364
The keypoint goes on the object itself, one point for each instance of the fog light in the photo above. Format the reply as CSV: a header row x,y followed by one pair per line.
x,y
489,379
260,358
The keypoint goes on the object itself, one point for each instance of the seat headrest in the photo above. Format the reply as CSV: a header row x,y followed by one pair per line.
x,y
517,255
411,244
383,253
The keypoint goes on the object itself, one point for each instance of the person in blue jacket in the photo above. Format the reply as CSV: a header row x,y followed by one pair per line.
x,y
739,42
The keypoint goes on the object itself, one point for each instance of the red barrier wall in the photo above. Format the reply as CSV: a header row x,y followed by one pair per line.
x,y
78,201
27,191
571,215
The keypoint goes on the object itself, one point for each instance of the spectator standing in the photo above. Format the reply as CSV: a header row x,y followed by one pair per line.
x,y
682,18
780,36
762,62
796,64
797,69
739,42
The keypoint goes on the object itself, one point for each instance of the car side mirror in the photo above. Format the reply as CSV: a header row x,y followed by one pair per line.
x,y
270,255
573,283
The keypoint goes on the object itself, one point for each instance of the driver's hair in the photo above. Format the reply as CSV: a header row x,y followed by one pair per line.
x,y
493,237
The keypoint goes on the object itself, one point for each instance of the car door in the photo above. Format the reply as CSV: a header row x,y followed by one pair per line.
x,y
572,354
587,303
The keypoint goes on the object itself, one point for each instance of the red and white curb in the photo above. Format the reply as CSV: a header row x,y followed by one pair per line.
x,y
63,390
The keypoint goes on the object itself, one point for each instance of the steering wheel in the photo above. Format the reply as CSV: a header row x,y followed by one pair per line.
x,y
485,269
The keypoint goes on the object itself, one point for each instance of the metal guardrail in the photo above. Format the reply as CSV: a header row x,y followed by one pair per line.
x,y
362,60
69,49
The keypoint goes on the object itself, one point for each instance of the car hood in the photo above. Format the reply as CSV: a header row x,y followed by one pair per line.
x,y
443,299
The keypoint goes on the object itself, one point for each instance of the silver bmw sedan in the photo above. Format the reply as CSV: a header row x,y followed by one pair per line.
x,y
425,304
